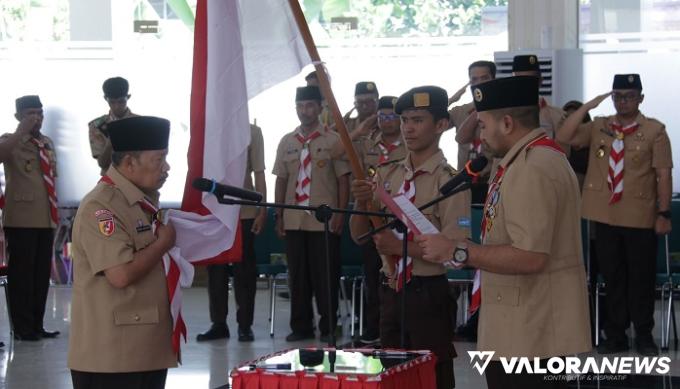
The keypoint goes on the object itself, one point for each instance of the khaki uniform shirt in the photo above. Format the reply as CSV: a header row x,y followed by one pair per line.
x,y
100,145
450,216
370,152
325,174
116,330
254,164
545,314
457,116
645,150
26,202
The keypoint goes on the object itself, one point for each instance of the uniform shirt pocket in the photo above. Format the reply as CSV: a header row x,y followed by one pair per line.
x,y
146,315
23,197
291,161
501,295
144,238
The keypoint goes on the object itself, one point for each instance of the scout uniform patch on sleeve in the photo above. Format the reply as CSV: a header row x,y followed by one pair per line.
x,y
107,224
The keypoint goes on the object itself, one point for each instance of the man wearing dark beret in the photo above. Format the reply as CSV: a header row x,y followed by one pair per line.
x,y
116,94
627,194
429,323
533,287
550,117
308,175
29,218
120,294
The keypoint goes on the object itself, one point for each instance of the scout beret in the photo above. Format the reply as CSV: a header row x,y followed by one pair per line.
x,y
525,63
430,98
115,87
365,87
30,101
387,102
308,93
509,92
627,81
139,133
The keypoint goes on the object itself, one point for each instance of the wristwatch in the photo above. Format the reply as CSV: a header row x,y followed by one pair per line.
x,y
460,254
665,214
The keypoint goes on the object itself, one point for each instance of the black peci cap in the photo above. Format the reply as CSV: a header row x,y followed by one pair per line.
x,y
308,93
115,87
25,102
509,92
525,63
627,81
365,87
139,133
387,102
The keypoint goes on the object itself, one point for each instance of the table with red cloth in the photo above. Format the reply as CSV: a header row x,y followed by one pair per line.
x,y
353,369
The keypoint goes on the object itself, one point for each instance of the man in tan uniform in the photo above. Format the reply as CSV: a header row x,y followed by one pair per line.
x,y
245,272
387,147
534,297
627,193
418,176
116,96
29,218
464,118
121,327
307,174
365,126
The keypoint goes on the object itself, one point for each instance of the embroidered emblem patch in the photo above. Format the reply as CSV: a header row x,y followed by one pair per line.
x,y
107,224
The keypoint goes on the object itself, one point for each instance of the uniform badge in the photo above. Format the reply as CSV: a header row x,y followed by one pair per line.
x,y
28,167
639,136
387,185
631,79
532,59
478,95
370,86
636,159
141,227
371,171
619,135
600,152
321,163
464,222
107,224
421,99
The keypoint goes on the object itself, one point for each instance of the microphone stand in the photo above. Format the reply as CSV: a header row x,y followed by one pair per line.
x,y
400,227
323,214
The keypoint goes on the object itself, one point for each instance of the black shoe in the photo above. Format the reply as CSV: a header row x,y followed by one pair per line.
x,y
216,331
48,334
369,339
645,346
612,346
31,337
284,295
245,335
298,336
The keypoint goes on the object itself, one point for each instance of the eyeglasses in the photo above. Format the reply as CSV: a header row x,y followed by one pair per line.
x,y
365,102
618,97
386,117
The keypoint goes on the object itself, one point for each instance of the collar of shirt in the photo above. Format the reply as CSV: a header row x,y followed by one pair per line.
x,y
519,146
379,139
320,128
639,119
27,138
428,166
131,192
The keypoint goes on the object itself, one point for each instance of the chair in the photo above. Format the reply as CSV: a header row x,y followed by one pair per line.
x,y
267,243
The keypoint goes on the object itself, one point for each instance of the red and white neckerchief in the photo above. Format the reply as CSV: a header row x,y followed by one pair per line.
x,y
408,189
492,198
304,178
615,176
542,103
172,274
386,150
48,177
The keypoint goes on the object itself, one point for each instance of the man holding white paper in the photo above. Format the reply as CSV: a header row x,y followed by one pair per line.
x,y
533,286
415,181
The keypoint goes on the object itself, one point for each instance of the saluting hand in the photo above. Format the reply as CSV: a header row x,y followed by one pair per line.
x,y
367,125
597,100
456,96
436,247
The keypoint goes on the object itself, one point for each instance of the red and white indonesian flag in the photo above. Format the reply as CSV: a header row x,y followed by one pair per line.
x,y
241,48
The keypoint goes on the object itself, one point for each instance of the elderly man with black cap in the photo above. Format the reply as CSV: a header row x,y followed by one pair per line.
x,y
418,177
116,94
533,286
121,324
308,175
627,193
29,218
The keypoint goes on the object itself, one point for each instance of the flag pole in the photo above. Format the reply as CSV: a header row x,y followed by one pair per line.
x,y
327,92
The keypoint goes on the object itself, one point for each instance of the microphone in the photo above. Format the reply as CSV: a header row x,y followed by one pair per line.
x,y
472,169
221,190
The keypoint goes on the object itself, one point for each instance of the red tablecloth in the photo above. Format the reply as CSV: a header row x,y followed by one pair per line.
x,y
413,374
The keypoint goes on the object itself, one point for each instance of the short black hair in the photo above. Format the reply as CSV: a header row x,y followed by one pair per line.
x,y
484,64
117,156
311,75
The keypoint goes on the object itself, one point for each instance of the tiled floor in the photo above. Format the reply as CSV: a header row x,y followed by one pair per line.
x,y
206,365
